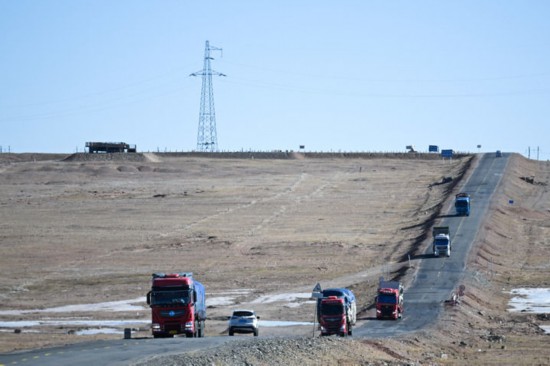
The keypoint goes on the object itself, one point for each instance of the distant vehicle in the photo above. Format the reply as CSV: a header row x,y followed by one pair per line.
x,y
462,204
110,147
442,241
177,304
498,154
389,299
243,321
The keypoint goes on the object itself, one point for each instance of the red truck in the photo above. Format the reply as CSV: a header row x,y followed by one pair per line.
x,y
177,304
389,300
335,316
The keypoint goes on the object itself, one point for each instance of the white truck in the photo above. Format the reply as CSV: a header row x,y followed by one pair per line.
x,y
442,241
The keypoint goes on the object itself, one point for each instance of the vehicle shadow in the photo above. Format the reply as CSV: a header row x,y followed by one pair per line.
x,y
367,318
422,256
450,215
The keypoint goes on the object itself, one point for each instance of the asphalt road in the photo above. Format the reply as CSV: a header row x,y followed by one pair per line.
x,y
436,279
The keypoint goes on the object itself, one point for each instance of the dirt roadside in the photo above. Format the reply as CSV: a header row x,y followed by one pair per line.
x,y
268,227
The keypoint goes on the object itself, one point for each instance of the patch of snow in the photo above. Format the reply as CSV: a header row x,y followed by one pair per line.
x,y
242,291
71,323
226,298
290,297
111,306
220,301
546,328
99,331
293,305
280,323
530,300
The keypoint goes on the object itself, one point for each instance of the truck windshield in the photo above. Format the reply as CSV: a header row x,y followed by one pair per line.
x,y
387,299
461,203
335,292
170,297
441,241
332,309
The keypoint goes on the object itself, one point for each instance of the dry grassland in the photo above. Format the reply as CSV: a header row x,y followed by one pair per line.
x,y
88,232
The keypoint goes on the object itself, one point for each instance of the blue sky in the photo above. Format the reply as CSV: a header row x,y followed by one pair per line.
x,y
352,75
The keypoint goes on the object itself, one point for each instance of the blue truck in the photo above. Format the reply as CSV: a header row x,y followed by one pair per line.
x,y
462,204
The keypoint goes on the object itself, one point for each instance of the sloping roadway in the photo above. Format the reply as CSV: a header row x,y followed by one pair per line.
x,y
438,277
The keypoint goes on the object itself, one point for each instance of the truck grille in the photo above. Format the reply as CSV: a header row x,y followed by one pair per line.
x,y
387,310
172,313
172,327
333,324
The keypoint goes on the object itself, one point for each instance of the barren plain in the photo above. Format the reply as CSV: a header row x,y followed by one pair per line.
x,y
76,230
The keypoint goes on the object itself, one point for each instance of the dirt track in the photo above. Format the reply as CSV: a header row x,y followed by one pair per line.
x,y
88,232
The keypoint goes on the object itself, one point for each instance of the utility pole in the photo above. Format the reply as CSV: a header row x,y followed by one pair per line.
x,y
207,139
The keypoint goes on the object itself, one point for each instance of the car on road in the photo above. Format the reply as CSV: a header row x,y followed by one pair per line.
x,y
498,154
243,321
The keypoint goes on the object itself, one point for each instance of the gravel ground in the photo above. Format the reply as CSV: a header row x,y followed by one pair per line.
x,y
281,351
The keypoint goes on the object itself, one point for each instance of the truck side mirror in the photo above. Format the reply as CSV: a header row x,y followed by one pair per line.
x,y
149,298
194,296
376,299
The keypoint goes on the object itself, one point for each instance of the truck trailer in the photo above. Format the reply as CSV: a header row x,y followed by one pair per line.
x,y
177,304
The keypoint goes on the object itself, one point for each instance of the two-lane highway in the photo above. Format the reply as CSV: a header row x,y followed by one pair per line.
x,y
437,277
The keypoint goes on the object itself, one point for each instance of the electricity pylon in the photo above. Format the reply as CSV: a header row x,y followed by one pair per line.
x,y
207,139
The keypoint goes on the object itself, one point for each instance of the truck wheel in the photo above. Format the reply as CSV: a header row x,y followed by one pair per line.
x,y
201,329
350,331
189,335
231,332
256,332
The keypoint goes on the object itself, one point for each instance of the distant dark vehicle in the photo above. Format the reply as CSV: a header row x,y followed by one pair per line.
x,y
498,154
462,204
110,147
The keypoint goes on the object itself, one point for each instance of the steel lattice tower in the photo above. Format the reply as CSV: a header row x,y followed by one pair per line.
x,y
207,139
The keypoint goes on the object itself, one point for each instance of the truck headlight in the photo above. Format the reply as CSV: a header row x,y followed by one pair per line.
x,y
156,327
189,325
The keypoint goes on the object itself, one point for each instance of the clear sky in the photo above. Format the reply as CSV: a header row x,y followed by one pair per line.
x,y
350,75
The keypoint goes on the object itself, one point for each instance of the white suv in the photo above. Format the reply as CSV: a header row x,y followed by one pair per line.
x,y
243,321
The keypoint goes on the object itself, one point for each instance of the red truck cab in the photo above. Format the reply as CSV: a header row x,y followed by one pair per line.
x,y
333,317
177,304
389,301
